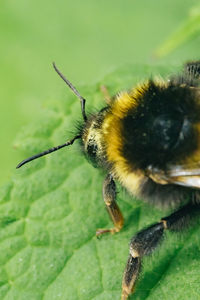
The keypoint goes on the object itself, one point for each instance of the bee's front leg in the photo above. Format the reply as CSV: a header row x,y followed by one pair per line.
x,y
109,196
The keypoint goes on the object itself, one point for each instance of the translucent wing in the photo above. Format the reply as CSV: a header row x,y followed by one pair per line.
x,y
185,175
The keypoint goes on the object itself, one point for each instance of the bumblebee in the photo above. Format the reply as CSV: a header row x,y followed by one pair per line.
x,y
147,139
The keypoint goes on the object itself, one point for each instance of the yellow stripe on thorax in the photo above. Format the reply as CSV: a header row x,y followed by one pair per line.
x,y
113,137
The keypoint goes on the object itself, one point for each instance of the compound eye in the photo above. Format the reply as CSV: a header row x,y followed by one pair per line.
x,y
165,131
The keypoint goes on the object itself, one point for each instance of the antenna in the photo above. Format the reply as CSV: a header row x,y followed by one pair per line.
x,y
82,100
25,161
70,85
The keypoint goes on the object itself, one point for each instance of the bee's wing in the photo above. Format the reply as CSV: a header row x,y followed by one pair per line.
x,y
185,175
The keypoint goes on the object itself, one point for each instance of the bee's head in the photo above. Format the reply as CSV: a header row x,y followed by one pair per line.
x,y
161,127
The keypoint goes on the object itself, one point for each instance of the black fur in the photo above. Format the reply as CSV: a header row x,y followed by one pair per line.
x,y
165,196
193,69
160,129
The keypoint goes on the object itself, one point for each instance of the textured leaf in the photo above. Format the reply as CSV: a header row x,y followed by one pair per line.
x,y
188,30
51,208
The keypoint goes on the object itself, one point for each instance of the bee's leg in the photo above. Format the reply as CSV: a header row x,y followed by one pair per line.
x,y
193,69
109,196
106,94
147,240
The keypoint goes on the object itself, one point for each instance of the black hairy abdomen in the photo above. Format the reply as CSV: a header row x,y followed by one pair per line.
x,y
168,195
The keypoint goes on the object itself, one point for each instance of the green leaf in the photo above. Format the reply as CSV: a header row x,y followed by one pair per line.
x,y
51,208
187,31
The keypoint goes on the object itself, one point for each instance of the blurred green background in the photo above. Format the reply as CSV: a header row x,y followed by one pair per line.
x,y
87,39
